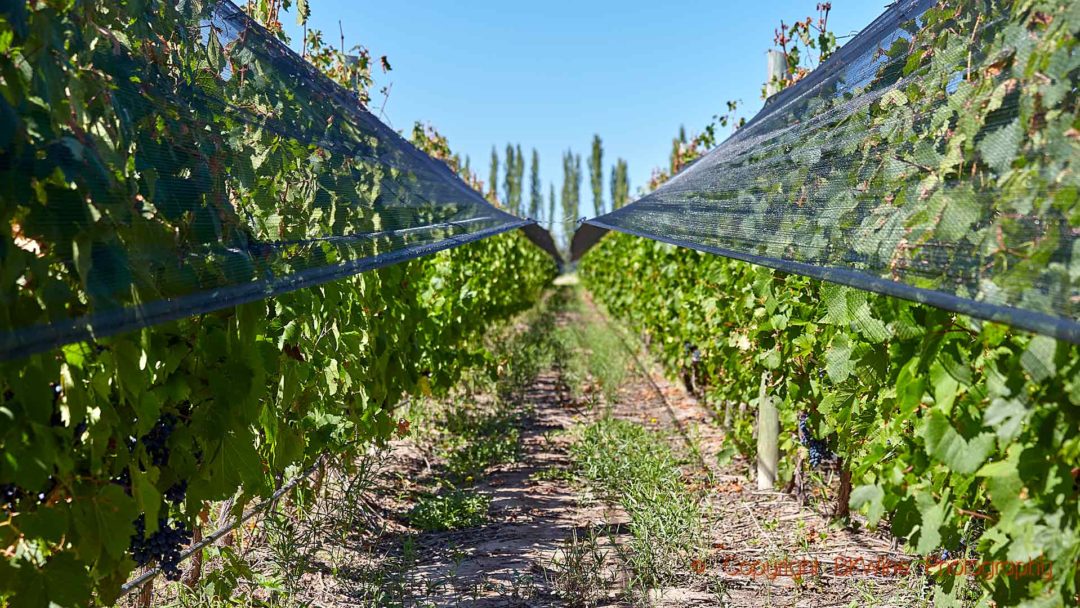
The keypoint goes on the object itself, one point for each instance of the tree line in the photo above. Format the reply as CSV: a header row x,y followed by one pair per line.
x,y
564,210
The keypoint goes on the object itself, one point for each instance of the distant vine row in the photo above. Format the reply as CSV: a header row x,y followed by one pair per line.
x,y
110,449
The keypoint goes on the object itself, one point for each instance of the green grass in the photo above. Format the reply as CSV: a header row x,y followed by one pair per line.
x,y
453,510
636,468
481,452
523,355
592,351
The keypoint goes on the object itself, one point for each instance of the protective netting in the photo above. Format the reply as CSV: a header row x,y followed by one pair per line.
x,y
932,158
211,166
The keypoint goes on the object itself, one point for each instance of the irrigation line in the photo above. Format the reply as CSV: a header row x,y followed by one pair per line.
x,y
210,539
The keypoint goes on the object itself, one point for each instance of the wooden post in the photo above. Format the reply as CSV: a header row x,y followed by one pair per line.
x,y
777,72
768,447
146,595
843,495
194,572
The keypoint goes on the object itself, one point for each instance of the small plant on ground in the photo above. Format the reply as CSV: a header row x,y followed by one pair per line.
x,y
475,457
637,468
451,510
578,572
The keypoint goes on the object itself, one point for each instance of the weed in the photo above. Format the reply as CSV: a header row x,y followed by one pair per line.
x,y
578,571
452,510
637,468
521,590
480,442
290,551
551,474
229,586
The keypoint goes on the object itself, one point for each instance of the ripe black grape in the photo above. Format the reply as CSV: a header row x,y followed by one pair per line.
x,y
818,449
162,546
10,494
156,441
176,492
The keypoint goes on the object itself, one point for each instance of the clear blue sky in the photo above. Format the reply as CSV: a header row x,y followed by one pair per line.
x,y
551,74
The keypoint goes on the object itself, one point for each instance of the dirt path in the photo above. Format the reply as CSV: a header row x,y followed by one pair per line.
x,y
535,531
507,561
512,559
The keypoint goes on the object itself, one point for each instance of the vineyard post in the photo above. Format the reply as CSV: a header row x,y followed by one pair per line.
x,y
194,573
768,448
146,595
777,72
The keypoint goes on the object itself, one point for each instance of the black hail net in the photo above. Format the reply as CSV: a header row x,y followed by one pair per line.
x,y
846,176
207,223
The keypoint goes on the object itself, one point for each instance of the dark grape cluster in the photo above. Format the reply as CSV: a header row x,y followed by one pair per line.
x,y
163,545
177,492
819,451
10,494
156,441
964,546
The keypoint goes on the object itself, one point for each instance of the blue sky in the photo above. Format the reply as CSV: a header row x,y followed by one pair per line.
x,y
551,74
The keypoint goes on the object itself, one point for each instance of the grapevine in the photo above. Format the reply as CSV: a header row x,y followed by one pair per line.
x,y
894,406
154,425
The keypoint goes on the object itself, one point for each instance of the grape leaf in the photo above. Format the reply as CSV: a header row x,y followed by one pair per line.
x,y
953,450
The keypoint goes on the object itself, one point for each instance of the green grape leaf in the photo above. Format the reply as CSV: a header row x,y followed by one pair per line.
x,y
103,520
1006,416
871,497
65,581
999,148
49,523
961,211
838,363
1004,485
146,496
947,446
933,515
1038,359
234,462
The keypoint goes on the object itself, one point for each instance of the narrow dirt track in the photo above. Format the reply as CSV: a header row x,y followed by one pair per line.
x,y
538,505
530,517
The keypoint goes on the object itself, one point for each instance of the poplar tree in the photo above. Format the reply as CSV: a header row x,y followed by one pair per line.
x,y
519,180
536,195
620,184
551,207
571,194
508,180
677,146
493,182
596,174
568,214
